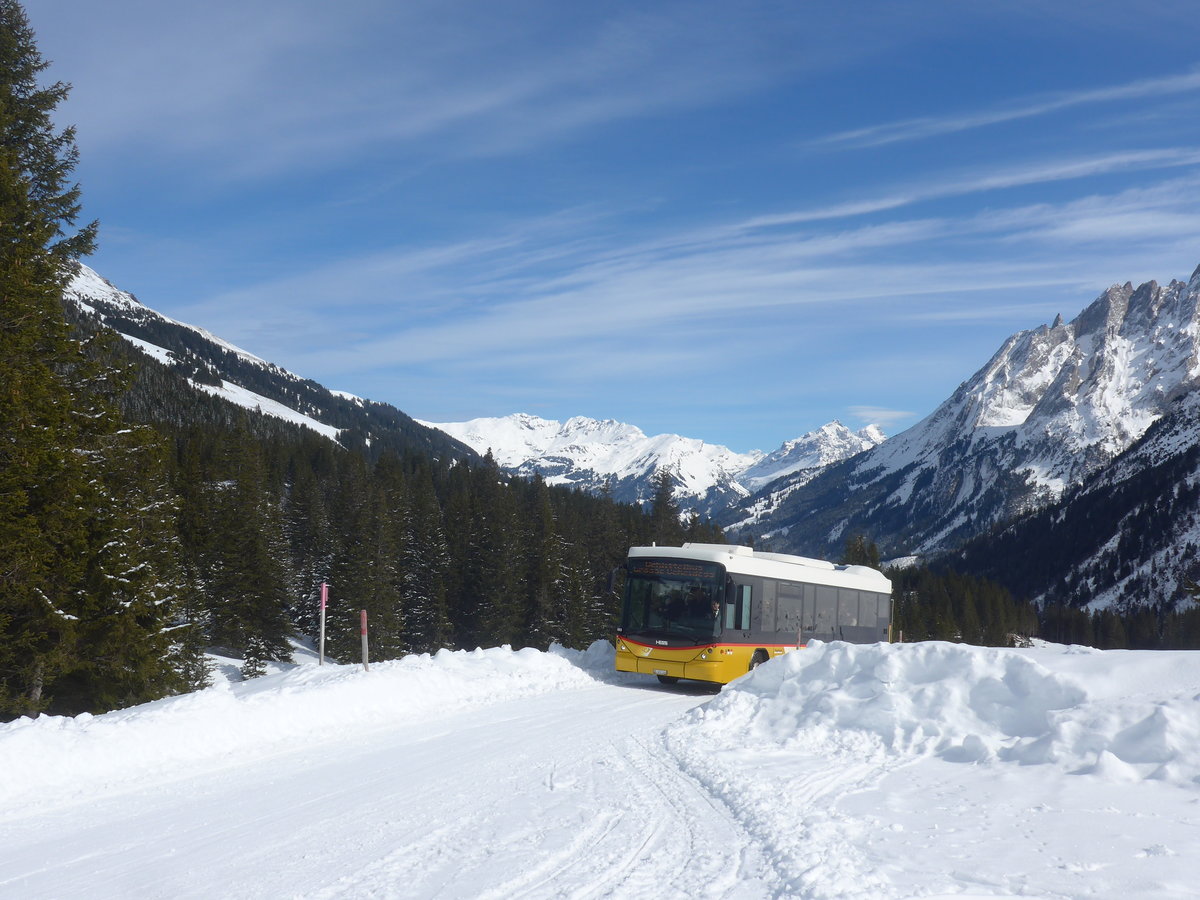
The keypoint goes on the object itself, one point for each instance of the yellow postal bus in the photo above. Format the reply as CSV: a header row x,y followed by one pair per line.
x,y
711,612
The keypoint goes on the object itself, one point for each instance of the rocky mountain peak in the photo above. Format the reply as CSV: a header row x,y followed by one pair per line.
x,y
1050,408
592,454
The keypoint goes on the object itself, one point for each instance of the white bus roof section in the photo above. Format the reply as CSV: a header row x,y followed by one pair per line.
x,y
781,566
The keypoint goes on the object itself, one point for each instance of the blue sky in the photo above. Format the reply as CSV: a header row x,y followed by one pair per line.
x,y
732,221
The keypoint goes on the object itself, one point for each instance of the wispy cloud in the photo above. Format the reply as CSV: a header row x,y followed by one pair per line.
x,y
878,415
1037,172
934,126
283,86
627,311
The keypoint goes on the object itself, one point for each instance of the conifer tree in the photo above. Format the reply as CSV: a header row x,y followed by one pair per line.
x,y
545,607
458,519
311,544
246,587
860,551
255,655
424,561
493,552
84,604
367,576
665,528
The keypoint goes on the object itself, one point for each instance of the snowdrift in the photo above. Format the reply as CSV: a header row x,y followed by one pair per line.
x,y
1118,715
58,755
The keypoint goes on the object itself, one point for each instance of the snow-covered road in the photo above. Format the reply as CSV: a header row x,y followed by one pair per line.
x,y
850,772
563,794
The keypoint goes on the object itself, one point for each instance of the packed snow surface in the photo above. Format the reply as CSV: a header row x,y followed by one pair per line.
x,y
877,771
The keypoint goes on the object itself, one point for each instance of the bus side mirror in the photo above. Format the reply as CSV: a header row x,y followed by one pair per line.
x,y
612,579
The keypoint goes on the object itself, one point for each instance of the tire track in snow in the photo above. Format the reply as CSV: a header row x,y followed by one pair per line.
x,y
813,848
704,850
653,832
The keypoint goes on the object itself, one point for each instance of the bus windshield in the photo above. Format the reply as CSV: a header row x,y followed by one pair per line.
x,y
673,598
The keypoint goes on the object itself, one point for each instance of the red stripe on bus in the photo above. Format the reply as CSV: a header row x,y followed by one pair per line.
x,y
713,644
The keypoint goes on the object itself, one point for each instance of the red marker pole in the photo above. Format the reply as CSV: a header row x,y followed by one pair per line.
x,y
324,601
366,668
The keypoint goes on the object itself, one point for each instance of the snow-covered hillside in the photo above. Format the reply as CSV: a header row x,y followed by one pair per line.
x,y
801,459
197,360
1058,402
1053,406
876,771
589,453
1129,534
96,296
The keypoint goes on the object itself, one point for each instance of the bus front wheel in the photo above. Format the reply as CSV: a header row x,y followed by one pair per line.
x,y
759,657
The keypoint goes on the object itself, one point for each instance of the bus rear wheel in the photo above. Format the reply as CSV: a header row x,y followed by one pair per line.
x,y
668,679
759,657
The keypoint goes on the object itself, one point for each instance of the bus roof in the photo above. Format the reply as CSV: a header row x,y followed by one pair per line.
x,y
782,566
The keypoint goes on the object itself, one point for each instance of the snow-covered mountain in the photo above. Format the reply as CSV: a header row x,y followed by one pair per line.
x,y
582,452
1128,536
1054,406
1082,436
196,360
590,454
803,458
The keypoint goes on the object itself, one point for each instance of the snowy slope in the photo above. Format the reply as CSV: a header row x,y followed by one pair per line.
x,y
1051,408
96,296
1128,533
801,459
200,361
877,771
590,453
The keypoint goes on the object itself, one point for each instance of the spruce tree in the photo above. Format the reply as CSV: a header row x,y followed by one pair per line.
x,y
665,527
85,607
545,616
366,574
860,551
245,590
493,553
424,562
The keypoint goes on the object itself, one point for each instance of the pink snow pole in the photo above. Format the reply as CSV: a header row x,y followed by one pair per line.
x,y
366,668
324,601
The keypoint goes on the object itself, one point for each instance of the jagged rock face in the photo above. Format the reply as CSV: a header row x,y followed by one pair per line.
x,y
1053,406
605,455
1128,536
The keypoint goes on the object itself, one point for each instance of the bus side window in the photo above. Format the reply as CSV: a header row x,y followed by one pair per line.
x,y
809,616
738,607
791,607
847,614
826,611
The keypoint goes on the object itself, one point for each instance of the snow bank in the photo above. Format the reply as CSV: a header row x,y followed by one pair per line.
x,y
1062,707
53,756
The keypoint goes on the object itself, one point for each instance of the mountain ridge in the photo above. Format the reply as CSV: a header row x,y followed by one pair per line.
x,y
599,455
1054,406
211,365
1066,427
